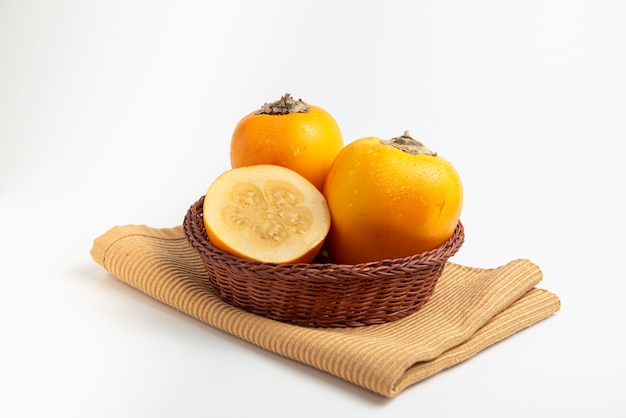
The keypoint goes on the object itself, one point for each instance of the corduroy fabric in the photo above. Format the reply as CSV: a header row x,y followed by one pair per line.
x,y
471,309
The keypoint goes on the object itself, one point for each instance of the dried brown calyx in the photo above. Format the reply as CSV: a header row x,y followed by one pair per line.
x,y
284,106
407,144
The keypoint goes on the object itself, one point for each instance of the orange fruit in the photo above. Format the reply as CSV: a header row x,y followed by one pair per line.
x,y
266,213
390,199
289,133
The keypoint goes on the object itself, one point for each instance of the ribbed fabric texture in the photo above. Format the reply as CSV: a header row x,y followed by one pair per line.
x,y
470,310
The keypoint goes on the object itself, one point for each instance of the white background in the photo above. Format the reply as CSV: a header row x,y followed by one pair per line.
x,y
120,112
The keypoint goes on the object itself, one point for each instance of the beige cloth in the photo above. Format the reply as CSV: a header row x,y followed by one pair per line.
x,y
471,309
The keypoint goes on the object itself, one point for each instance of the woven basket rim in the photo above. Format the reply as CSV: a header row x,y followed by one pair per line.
x,y
434,256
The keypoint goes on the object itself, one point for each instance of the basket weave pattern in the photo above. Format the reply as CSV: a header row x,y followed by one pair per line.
x,y
321,294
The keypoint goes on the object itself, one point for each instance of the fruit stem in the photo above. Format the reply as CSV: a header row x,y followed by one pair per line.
x,y
407,144
284,106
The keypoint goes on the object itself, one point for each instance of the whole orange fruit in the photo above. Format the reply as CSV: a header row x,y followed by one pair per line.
x,y
266,213
289,133
389,199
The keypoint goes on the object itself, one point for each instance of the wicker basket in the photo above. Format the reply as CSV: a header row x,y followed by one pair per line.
x,y
321,294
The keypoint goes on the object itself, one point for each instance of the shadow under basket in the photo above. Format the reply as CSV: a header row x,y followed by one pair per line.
x,y
321,294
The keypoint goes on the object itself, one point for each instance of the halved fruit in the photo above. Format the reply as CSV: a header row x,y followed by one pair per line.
x,y
266,213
